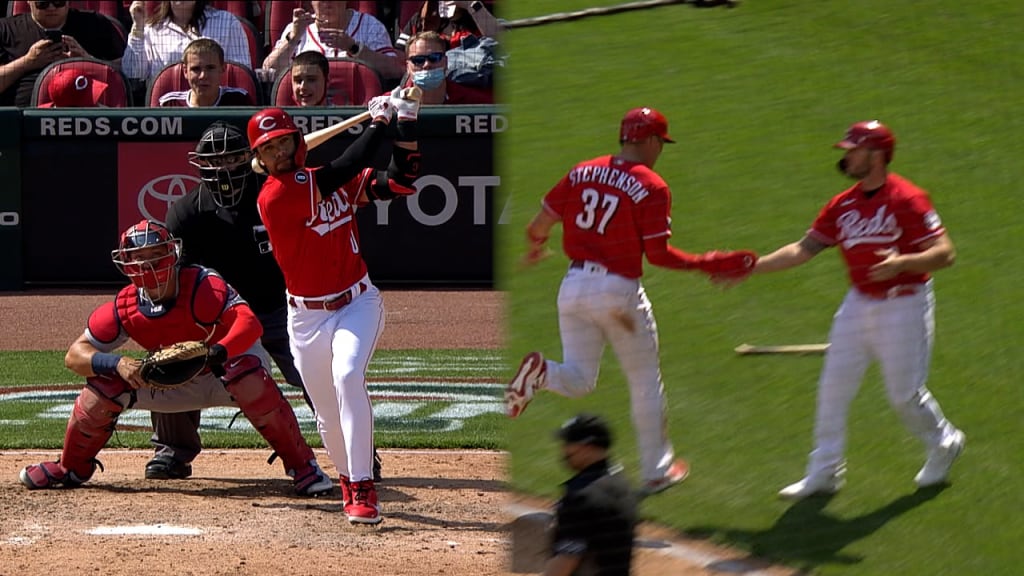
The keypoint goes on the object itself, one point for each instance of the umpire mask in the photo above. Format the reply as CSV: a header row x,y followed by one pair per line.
x,y
223,158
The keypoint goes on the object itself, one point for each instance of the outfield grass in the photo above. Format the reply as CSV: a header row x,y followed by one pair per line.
x,y
755,97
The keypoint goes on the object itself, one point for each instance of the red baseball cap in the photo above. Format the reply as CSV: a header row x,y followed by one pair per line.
x,y
72,89
639,123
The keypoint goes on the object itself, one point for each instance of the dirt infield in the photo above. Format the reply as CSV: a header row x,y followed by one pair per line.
x,y
446,512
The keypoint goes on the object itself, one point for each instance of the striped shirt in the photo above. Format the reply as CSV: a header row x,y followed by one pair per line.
x,y
363,28
164,43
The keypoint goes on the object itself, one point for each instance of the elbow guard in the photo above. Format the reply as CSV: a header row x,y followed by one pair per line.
x,y
399,177
386,188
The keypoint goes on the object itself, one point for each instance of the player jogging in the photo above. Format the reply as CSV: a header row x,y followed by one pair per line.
x,y
891,239
335,313
167,304
615,209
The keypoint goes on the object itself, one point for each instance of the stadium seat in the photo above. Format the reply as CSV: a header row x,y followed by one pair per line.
x,y
172,79
255,44
278,16
117,95
350,84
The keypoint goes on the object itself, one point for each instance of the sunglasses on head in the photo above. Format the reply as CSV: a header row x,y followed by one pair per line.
x,y
422,59
45,5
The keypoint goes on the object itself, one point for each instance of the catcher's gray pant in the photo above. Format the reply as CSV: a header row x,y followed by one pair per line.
x,y
176,433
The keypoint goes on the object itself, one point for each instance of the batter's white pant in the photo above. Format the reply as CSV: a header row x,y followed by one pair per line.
x,y
595,307
332,349
899,333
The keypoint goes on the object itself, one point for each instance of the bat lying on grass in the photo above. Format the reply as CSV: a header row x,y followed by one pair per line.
x,y
749,349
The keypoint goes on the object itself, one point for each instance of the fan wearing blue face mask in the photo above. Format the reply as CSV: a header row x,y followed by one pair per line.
x,y
426,67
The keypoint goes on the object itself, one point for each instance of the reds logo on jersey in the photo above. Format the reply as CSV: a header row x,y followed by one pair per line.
x,y
878,229
331,212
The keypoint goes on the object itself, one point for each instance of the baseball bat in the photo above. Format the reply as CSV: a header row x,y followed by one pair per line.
x,y
318,137
749,349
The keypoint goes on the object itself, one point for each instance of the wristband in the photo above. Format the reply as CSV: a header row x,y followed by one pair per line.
x,y
105,364
407,131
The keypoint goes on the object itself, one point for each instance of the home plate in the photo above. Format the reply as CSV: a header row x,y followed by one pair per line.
x,y
144,530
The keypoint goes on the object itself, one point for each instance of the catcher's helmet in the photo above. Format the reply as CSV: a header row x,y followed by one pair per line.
x,y
639,123
870,134
223,158
148,255
270,123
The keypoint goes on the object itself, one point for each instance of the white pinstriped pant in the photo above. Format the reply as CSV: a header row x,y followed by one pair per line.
x,y
899,333
595,308
332,349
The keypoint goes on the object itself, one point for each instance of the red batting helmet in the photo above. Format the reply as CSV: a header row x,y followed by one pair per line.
x,y
153,271
870,134
270,123
639,123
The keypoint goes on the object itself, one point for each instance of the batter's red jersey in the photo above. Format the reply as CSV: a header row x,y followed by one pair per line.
x,y
899,215
314,239
195,314
608,207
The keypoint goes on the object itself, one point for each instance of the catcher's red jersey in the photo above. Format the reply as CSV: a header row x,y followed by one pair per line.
x,y
202,299
315,239
898,216
608,207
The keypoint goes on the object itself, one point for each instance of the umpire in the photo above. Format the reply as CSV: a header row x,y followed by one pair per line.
x,y
220,228
594,521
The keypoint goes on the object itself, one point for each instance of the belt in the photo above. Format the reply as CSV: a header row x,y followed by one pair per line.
x,y
894,292
336,303
588,266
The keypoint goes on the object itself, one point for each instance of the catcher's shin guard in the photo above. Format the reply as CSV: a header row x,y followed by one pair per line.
x,y
90,426
266,408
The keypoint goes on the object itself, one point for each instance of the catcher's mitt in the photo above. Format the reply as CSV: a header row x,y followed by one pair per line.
x,y
728,265
175,365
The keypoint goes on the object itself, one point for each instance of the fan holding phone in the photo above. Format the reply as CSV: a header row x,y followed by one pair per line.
x,y
49,32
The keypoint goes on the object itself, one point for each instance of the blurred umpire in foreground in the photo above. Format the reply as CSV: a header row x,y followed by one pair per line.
x,y
594,521
220,227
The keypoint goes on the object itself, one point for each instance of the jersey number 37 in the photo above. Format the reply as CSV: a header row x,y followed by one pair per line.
x,y
597,209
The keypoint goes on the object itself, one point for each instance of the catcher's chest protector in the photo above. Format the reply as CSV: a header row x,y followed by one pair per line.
x,y
176,323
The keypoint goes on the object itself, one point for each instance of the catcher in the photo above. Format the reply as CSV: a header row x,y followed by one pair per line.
x,y
204,351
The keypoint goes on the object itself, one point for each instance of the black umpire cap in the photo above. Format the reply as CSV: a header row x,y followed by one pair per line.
x,y
585,428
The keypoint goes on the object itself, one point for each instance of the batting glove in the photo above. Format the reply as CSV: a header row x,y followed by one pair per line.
x,y
408,110
381,108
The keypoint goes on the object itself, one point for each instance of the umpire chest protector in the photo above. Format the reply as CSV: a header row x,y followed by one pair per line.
x,y
191,315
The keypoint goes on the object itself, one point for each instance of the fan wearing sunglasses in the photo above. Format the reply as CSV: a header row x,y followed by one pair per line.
x,y
426,67
49,32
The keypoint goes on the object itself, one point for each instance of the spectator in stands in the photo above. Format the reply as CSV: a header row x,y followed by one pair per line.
x,y
25,48
203,61
72,89
160,40
337,32
427,66
309,72
453,20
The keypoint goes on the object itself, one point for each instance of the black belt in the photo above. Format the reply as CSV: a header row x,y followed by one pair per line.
x,y
336,303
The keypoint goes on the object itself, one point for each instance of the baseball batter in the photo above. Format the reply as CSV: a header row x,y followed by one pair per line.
x,y
167,304
335,313
891,239
614,209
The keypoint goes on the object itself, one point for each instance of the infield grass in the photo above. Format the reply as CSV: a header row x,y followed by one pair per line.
x,y
755,97
422,399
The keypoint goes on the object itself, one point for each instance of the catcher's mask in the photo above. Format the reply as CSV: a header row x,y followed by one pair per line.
x,y
223,158
148,255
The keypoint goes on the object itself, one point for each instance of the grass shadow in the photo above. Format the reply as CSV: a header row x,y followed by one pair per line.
x,y
805,536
